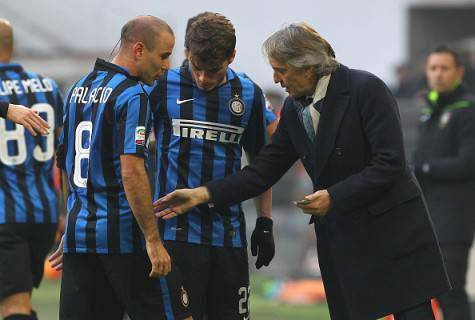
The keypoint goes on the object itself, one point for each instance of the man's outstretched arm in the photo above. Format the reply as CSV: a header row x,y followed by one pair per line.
x,y
24,116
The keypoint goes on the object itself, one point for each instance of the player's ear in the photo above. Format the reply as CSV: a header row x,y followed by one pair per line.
x,y
138,49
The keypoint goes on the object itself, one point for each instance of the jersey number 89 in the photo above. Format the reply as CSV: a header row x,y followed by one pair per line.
x,y
18,135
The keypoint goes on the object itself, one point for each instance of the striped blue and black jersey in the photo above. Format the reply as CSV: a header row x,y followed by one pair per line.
x,y
200,136
107,114
269,113
26,163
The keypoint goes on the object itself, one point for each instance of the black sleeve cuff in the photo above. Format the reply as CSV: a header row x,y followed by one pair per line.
x,y
264,223
3,109
216,197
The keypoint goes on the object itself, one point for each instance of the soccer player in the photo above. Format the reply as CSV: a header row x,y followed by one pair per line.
x,y
108,265
28,214
204,114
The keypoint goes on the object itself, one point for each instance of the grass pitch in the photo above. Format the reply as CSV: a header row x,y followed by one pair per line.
x,y
46,303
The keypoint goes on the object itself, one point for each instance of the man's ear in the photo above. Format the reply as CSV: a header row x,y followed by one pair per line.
x,y
310,72
138,49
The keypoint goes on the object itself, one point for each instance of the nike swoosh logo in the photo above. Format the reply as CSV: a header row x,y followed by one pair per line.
x,y
178,101
266,231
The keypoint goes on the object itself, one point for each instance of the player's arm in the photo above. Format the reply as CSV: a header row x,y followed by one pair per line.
x,y
262,239
263,202
64,192
139,196
58,140
24,116
133,129
56,258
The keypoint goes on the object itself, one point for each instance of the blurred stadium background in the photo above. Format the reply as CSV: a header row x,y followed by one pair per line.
x,y
61,39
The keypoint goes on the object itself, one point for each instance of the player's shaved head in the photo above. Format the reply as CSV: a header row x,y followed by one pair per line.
x,y
6,39
143,29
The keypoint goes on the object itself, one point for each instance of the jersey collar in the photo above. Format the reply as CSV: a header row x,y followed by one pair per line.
x,y
102,65
11,66
185,72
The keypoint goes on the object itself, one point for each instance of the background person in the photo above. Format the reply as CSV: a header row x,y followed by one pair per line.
x,y
444,164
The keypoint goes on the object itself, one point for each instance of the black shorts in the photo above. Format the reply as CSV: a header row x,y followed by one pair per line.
x,y
98,286
217,279
23,249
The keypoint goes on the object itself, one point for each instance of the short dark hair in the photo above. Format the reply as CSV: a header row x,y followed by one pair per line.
x,y
210,37
193,19
144,29
446,49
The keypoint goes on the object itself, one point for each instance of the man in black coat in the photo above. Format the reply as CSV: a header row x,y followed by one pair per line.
x,y
377,249
444,162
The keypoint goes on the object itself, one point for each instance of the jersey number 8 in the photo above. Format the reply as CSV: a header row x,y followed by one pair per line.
x,y
82,148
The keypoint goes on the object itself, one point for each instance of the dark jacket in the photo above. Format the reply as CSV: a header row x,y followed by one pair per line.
x,y
446,146
377,249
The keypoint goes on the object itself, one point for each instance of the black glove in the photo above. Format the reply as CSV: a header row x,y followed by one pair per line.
x,y
262,242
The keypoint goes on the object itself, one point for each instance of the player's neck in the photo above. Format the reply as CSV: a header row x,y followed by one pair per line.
x,y
127,63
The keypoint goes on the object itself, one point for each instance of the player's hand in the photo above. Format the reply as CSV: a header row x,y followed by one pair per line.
x,y
28,118
262,242
56,259
317,203
159,258
180,201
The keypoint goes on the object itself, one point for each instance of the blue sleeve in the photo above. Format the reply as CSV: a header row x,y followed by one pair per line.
x,y
269,113
134,125
255,134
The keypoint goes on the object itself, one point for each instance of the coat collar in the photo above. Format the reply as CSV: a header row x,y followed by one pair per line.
x,y
334,107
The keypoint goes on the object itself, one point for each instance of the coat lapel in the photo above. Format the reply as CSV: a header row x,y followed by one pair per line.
x,y
334,107
302,143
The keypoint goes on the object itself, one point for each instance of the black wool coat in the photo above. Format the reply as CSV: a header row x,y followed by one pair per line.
x,y
377,249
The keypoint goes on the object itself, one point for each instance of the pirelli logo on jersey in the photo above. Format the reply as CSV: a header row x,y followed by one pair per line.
x,y
207,131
